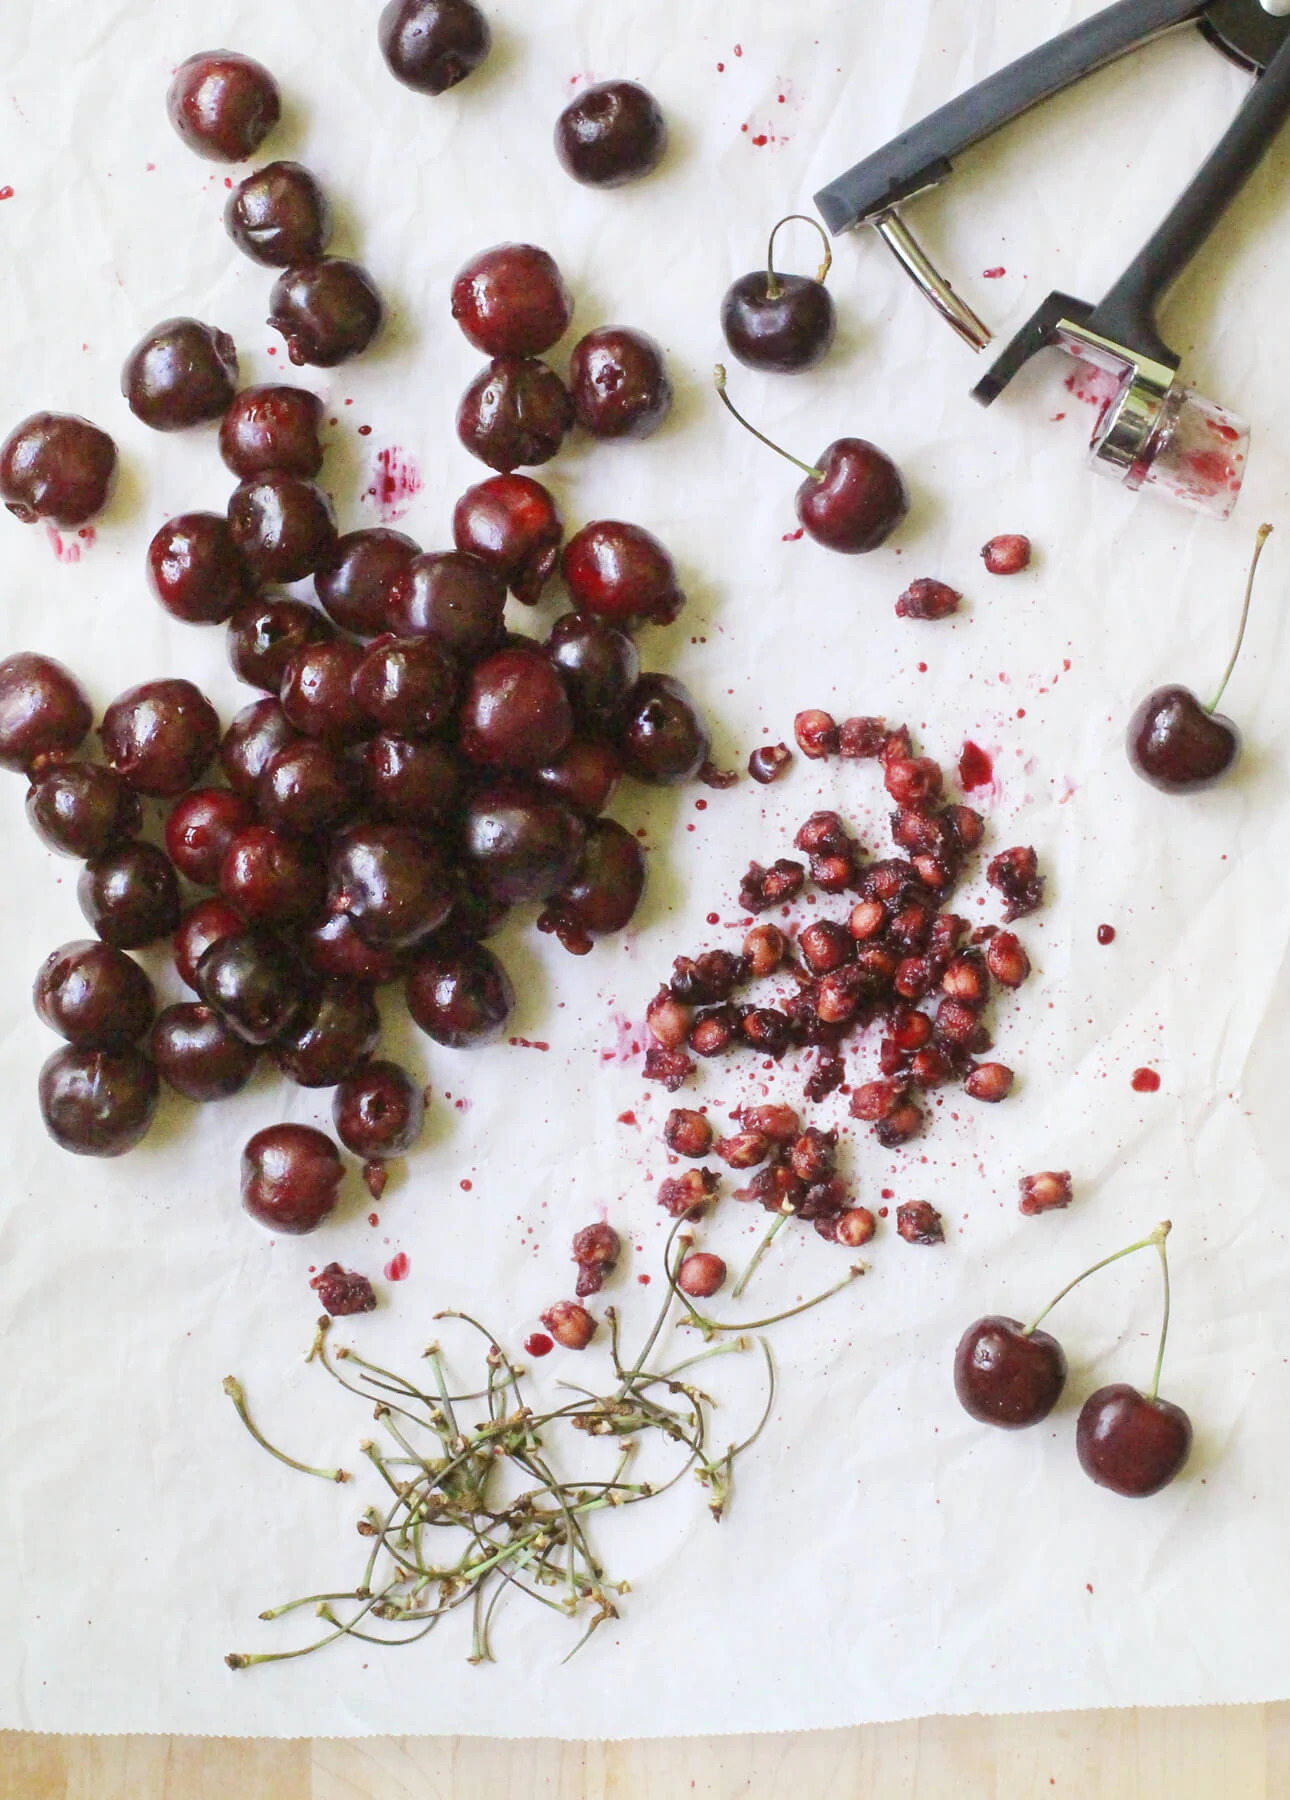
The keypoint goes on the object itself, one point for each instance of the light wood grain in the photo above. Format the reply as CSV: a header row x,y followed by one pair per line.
x,y
1206,1753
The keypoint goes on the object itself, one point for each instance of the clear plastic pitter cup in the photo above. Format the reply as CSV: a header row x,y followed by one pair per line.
x,y
1193,451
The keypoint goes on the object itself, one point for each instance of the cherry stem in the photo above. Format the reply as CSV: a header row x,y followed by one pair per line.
x,y
1164,1323
736,1293
719,381
1265,532
773,289
1158,1237
233,1388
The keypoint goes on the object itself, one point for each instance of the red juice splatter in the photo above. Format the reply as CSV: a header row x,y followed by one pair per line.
x,y
627,1118
397,482
365,431
761,139
6,193
714,918
644,1280
525,1044
1106,934
793,537
66,553
1145,1081
994,274
739,49
373,1218
721,68
397,1267
466,1184
539,1344
975,767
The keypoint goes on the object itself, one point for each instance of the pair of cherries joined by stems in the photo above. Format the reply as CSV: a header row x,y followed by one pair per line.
x,y
1012,1375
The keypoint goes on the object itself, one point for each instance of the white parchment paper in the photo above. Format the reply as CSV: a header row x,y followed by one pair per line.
x,y
884,1556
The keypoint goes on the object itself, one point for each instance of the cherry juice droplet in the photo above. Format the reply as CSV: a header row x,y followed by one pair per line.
x,y
975,767
397,1267
1145,1081
1106,934
539,1344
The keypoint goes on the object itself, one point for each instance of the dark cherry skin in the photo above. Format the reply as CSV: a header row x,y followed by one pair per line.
x,y
455,599
94,995
607,885
599,665
272,427
664,739
200,826
1002,1377
283,525
1130,1444
252,741
317,692
279,216
44,712
182,373
291,1176
196,570
353,586
511,300
860,501
515,714
98,1102
431,45
407,685
619,383
515,413
254,982
512,523
272,878
337,1031
327,311
199,1055
223,105
392,881
612,133
621,573
475,912
265,634
521,845
782,325
459,994
308,789
378,1111
201,926
56,466
160,736
80,809
130,895
584,775
1179,747
408,781
335,948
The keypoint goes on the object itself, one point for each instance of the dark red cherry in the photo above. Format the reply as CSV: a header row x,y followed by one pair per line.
x,y
198,928
291,1176
44,711
459,994
407,685
98,1102
283,525
318,692
431,45
619,383
475,912
515,413
623,574
272,427
308,789
411,782
56,466
197,571
1130,1444
393,882
584,775
337,1030
199,1055
80,809
1179,747
857,499
612,133
777,322
254,982
516,714
521,845
265,634
664,739
94,995
511,301
130,895
223,105
272,878
599,666
354,585
511,522
378,1111
251,742
200,826
279,216
607,885
1003,1376
327,311
335,948
455,599
182,373
160,736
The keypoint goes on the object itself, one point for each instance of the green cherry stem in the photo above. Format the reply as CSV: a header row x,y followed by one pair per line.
x,y
1157,1237
719,382
1265,532
1164,1323
773,289
233,1388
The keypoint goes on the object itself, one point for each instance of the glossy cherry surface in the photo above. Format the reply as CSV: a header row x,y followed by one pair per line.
x,y
511,523
44,711
623,574
1131,1444
607,885
308,789
455,599
182,373
459,994
1179,747
318,691
599,665
272,427
200,826
98,1102
514,414
335,948
1003,1376
407,685
199,1055
392,881
611,133
130,895
160,736
619,383
584,774
378,1111
353,586
664,739
291,1177
265,634
512,301
81,809
254,982
857,501
521,845
94,995
199,927
515,713
336,1031
327,311
56,466
252,741
196,570
283,525
279,216
778,322
271,877
409,781
431,45
223,105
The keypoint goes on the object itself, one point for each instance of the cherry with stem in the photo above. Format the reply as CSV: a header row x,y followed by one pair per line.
x,y
777,322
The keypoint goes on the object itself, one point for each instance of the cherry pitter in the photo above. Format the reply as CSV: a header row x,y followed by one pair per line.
x,y
1155,433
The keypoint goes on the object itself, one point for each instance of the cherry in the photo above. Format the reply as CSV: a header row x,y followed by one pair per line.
x,y
460,995
223,105
265,634
1007,554
516,713
283,525
56,466
342,1293
182,373
336,1032
253,981
570,1325
129,895
392,881
196,570
431,45
272,427
455,599
160,736
520,845
279,216
780,322
612,133
605,889
619,383
585,773
199,1055
93,995
198,928
511,301
926,599
378,1111
270,877
623,574
407,685
327,311
318,692
291,1176
515,412
335,948
79,809
701,1275
308,789
199,829
599,666
44,711
409,782
353,585
664,740
511,523
98,1102
251,742
1129,1442
853,500
1006,1375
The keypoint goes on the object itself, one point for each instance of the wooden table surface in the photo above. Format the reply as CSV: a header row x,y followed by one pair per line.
x,y
1214,1753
